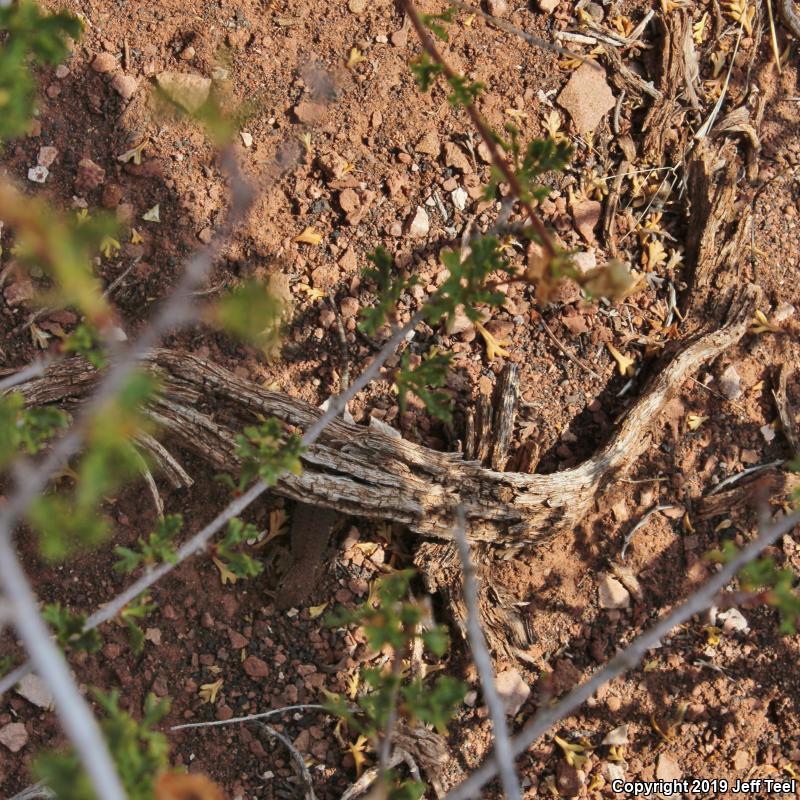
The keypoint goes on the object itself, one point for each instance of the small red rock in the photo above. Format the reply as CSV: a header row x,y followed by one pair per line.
x,y
255,667
238,642
19,292
309,112
104,62
90,176
124,85
112,195
497,8
587,97
348,200
456,158
586,215
349,307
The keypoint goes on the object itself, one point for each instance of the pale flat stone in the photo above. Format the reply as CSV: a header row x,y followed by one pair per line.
x,y
617,737
612,594
35,691
730,384
587,97
38,174
419,225
668,769
14,736
186,89
46,157
512,689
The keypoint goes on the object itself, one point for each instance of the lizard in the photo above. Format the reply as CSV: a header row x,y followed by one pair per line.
x,y
789,16
309,535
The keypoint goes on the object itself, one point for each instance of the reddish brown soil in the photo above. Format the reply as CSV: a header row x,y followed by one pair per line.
x,y
743,693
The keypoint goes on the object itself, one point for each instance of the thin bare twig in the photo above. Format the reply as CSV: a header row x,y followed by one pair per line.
x,y
345,379
76,716
506,26
275,712
571,356
483,663
385,748
702,599
39,790
298,759
35,370
499,162
744,473
641,523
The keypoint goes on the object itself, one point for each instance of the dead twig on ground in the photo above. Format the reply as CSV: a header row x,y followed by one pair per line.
x,y
198,542
345,376
275,712
298,759
638,526
571,356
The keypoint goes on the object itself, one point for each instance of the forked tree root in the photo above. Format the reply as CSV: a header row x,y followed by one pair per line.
x,y
361,472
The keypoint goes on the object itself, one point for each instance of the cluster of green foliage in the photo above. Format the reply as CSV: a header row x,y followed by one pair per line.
x,y
70,629
26,429
253,314
467,285
390,619
776,586
86,341
139,752
538,158
29,35
266,451
226,549
159,547
72,633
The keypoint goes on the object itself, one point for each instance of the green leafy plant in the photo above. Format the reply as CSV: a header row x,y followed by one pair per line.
x,y
539,157
267,451
466,282
423,380
70,630
26,429
465,288
30,36
85,341
226,550
433,22
62,246
67,520
139,752
254,314
389,619
158,548
130,617
389,290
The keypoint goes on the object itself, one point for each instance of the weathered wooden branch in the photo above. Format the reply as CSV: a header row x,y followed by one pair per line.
x,y
362,472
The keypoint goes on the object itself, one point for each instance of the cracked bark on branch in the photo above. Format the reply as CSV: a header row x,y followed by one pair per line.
x,y
362,472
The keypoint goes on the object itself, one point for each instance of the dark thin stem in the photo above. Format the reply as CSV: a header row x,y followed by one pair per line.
x,y
485,131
